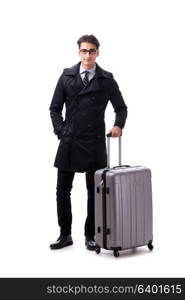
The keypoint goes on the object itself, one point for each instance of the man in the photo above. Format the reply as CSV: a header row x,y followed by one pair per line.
x,y
85,90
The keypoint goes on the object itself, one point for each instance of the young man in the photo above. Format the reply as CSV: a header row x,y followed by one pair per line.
x,y
85,89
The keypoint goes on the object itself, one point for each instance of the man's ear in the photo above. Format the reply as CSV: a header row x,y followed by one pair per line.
x,y
97,54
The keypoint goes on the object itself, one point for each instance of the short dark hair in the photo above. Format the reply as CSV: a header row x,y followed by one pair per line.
x,y
88,39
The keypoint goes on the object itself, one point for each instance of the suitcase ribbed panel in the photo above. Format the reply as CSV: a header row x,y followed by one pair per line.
x,y
125,199
128,208
140,209
148,208
131,214
133,209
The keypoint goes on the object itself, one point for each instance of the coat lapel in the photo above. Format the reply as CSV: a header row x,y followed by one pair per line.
x,y
74,78
77,84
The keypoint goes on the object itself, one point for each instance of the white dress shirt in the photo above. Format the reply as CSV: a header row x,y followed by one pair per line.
x,y
91,72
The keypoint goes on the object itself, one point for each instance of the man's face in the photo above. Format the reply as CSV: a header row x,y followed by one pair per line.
x,y
88,53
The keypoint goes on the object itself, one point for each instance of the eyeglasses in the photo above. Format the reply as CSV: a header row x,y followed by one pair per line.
x,y
91,51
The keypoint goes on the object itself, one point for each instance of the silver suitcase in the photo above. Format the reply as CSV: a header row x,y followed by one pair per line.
x,y
123,206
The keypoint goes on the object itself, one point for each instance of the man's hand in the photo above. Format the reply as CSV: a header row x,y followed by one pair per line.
x,y
115,131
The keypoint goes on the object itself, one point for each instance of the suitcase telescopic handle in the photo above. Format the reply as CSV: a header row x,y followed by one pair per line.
x,y
109,135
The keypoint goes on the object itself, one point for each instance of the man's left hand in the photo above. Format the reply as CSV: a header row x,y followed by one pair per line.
x,y
115,131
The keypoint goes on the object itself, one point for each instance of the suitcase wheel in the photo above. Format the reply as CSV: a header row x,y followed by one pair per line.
x,y
98,249
116,253
150,246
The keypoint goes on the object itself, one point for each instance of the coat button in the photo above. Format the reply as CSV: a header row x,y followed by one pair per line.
x,y
93,98
89,125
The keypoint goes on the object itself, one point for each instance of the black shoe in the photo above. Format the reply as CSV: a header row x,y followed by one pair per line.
x,y
90,243
63,241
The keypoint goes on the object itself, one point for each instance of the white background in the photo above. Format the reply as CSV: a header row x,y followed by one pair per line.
x,y
142,43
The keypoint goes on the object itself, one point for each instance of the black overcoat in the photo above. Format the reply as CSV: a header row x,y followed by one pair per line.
x,y
82,132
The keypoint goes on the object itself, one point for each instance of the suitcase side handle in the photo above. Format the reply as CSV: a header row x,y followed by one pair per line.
x,y
108,150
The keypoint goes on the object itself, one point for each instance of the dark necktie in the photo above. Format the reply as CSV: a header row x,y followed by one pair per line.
x,y
86,80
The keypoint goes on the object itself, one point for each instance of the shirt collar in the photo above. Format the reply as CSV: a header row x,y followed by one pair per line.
x,y
82,70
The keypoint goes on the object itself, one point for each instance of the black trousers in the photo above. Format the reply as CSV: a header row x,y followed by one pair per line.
x,y
63,193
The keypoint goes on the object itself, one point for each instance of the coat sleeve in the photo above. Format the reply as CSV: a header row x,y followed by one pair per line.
x,y
118,104
56,107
